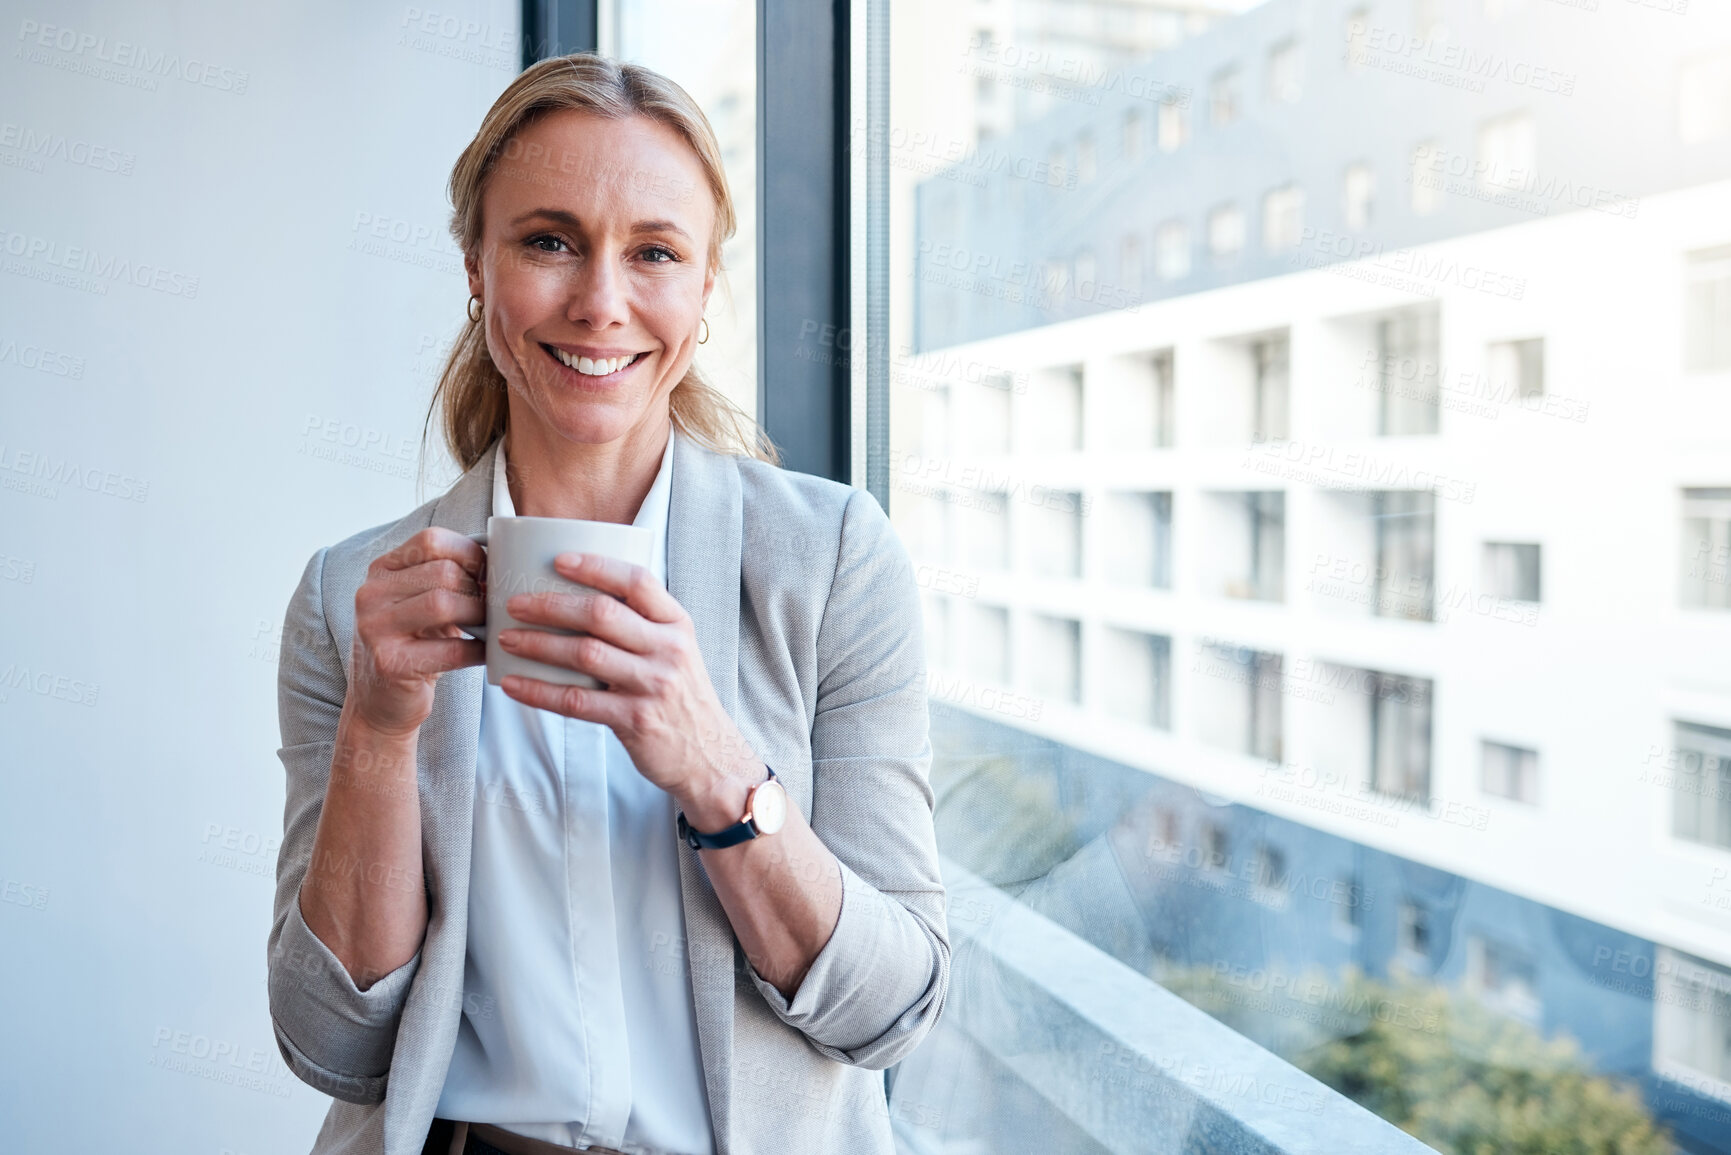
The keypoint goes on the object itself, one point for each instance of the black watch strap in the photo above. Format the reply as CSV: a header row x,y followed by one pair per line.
x,y
732,836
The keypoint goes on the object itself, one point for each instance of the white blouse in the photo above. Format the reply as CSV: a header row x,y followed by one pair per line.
x,y
578,1024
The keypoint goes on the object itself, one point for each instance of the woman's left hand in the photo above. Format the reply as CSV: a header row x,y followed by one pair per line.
x,y
658,697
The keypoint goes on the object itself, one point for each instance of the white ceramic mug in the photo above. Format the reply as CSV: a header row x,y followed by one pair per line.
x,y
520,553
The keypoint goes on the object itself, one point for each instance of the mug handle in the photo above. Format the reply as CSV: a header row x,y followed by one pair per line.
x,y
479,633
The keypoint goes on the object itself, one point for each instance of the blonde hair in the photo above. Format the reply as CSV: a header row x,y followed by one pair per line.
x,y
471,395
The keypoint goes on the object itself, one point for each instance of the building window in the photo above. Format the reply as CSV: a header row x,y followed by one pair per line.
x,y
1172,251
1405,553
1517,368
1224,103
1130,264
1512,570
1400,736
1170,128
1706,568
1138,687
1358,196
1268,875
1510,772
1357,38
1348,906
1052,536
1133,135
1704,98
1238,699
1138,543
982,641
1271,390
1282,218
1285,72
1426,182
1701,810
1057,169
1408,345
1216,846
1259,572
1086,286
1164,412
1707,311
1051,660
1692,1022
1503,978
1506,152
1413,935
1086,162
1225,232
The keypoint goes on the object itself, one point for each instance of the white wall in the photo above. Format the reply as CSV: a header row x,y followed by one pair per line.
x,y
132,931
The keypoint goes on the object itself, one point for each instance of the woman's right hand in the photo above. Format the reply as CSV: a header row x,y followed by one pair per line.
x,y
406,618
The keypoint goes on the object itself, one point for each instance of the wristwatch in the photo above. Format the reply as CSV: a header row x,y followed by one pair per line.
x,y
765,812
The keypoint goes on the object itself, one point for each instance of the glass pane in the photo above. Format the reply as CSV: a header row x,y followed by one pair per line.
x,y
714,58
1341,649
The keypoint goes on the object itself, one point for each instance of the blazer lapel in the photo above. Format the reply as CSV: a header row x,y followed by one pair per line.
x,y
448,745
704,531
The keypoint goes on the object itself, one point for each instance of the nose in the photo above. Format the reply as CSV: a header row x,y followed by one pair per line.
x,y
598,295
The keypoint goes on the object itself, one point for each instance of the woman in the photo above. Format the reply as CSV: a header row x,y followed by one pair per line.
x,y
489,935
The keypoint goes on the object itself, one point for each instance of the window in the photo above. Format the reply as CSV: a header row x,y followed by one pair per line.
x,y
1225,232
1706,561
1224,102
1348,898
1085,159
1506,147
1426,182
1130,263
1405,553
1052,658
982,641
1692,1021
1517,368
1132,138
1268,875
1409,356
1051,535
1358,196
1400,736
1138,539
1139,686
1172,251
1237,699
1700,760
1704,98
1216,846
1285,72
1249,544
1282,218
1170,127
1504,978
1413,935
1707,311
1357,39
1087,276
1509,771
1271,388
1512,570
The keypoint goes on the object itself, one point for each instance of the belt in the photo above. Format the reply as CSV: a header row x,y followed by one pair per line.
x,y
450,1137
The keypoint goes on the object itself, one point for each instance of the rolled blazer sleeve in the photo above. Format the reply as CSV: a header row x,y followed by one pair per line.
x,y
879,984
335,1036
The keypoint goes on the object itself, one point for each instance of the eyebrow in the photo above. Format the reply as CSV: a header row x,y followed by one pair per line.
x,y
569,220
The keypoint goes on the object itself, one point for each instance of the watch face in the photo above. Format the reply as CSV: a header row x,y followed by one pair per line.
x,y
769,807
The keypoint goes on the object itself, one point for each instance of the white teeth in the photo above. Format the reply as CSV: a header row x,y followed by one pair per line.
x,y
590,366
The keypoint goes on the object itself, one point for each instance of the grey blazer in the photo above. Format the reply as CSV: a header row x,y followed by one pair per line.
x,y
809,624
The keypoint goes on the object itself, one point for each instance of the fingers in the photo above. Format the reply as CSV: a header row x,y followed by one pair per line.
x,y
600,614
580,702
413,659
435,543
587,655
426,613
636,585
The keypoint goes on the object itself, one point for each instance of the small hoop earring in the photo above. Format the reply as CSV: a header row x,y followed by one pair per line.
x,y
704,321
474,310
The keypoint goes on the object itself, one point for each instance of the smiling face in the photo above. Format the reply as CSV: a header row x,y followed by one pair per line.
x,y
593,269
